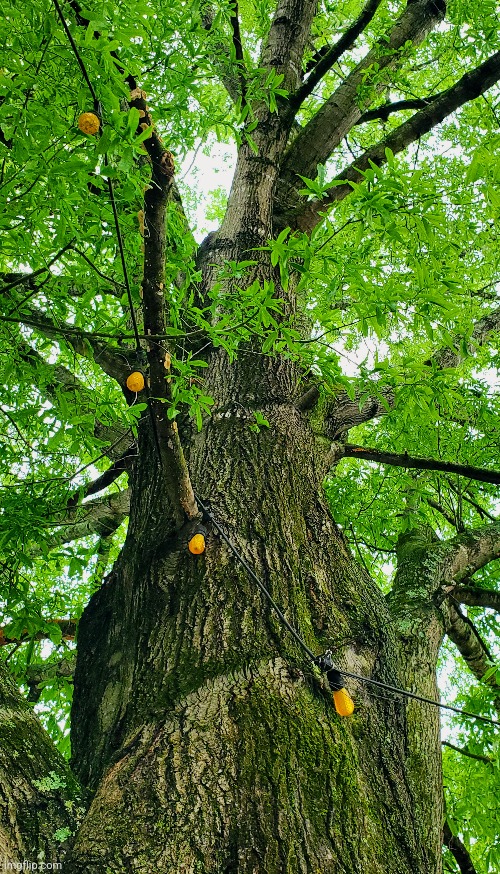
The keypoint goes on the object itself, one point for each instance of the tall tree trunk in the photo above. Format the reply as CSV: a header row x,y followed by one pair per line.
x,y
210,742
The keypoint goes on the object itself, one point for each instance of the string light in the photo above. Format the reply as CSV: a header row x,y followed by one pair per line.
x,y
343,702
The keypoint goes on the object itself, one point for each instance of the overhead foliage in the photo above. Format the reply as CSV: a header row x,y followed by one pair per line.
x,y
390,238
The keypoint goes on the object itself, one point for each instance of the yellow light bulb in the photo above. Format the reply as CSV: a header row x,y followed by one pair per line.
x,y
88,123
197,544
344,705
135,381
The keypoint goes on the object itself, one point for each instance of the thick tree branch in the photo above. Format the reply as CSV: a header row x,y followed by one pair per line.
x,y
330,56
439,566
382,113
465,752
470,86
345,413
466,553
101,516
471,647
27,757
444,513
121,465
286,41
328,127
82,342
174,467
458,851
395,459
473,596
156,200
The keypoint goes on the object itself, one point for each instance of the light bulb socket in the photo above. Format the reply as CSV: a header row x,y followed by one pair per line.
x,y
198,529
327,665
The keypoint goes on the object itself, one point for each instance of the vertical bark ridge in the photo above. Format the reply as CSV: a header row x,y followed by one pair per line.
x,y
209,741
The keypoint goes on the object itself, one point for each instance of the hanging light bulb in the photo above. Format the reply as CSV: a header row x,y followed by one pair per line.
x,y
344,705
135,381
196,543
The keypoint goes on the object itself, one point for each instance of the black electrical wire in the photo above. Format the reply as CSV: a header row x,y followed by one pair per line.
x,y
317,659
122,257
416,697
97,107
76,52
258,582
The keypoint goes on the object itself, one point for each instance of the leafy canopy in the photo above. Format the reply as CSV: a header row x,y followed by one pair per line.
x,y
403,268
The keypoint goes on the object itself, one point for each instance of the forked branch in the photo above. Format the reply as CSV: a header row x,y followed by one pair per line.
x,y
328,58
469,87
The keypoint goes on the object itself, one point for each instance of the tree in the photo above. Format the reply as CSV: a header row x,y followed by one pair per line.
x,y
345,310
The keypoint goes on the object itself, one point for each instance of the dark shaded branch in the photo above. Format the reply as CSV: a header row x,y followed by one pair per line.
x,y
118,288
476,597
458,851
68,630
330,55
82,342
395,459
121,465
444,513
36,676
308,400
230,81
470,86
465,752
383,112
16,428
335,118
489,324
238,48
22,279
464,495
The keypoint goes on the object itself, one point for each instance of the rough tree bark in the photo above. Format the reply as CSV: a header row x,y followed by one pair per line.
x,y
209,743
